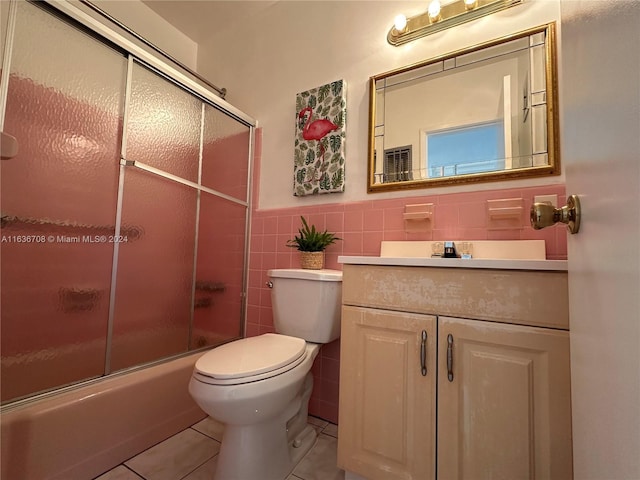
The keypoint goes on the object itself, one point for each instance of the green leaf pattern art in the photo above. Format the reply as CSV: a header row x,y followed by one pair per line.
x,y
319,147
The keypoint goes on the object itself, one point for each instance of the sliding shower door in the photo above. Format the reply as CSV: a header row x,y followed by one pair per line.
x,y
65,107
221,230
155,271
124,214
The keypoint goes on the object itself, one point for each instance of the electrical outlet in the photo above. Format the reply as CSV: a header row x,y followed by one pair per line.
x,y
552,199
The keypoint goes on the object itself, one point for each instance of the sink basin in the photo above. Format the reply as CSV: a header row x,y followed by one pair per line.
x,y
481,249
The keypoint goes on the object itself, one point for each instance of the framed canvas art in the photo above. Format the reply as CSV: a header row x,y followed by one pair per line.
x,y
320,140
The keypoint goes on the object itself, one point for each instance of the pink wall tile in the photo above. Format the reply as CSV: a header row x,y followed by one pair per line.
x,y
269,242
270,225
371,243
394,235
503,235
353,221
373,221
352,243
335,221
393,218
472,215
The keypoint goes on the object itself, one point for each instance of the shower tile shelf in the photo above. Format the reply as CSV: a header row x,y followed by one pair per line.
x,y
64,227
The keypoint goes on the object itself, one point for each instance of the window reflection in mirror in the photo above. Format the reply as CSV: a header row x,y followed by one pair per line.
x,y
481,114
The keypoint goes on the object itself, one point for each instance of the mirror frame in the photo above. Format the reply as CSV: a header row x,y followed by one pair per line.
x,y
553,143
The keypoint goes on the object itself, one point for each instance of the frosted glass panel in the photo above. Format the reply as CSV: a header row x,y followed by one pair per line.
x,y
218,301
225,155
164,125
64,106
155,270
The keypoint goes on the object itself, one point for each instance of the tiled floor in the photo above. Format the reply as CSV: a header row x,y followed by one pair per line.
x,y
192,455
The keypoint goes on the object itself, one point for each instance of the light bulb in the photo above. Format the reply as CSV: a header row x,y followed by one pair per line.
x,y
434,10
400,22
470,4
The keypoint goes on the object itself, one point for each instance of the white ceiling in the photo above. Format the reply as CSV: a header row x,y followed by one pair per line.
x,y
200,19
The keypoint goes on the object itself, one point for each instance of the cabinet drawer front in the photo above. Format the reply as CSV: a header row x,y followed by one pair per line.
x,y
513,296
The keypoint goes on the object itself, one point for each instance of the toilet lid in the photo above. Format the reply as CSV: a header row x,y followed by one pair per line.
x,y
251,356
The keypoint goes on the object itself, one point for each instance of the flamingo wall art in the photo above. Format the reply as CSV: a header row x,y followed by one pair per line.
x,y
320,140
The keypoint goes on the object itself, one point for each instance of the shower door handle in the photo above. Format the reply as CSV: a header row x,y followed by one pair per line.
x,y
8,146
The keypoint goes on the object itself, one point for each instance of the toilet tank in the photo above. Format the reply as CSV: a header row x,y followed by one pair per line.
x,y
306,303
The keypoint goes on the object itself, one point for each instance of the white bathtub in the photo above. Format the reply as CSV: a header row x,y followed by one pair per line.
x,y
84,432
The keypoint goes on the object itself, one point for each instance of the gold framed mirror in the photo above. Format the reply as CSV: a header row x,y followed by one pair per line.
x,y
482,114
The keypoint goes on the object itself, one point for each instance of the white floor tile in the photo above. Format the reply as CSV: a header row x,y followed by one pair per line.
x,y
192,455
175,457
331,429
211,428
119,473
321,461
318,422
205,471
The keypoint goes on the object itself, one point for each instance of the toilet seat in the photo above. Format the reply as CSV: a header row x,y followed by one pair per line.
x,y
250,359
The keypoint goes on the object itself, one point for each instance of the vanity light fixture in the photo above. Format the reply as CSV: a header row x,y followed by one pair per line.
x,y
400,23
434,11
470,4
440,17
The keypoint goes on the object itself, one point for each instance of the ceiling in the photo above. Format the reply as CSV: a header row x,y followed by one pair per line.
x,y
200,19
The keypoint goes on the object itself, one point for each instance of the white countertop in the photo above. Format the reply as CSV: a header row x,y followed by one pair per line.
x,y
550,265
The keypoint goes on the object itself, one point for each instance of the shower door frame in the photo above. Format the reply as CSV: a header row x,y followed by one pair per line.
x,y
136,54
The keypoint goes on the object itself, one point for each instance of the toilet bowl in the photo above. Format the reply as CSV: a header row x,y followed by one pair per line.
x,y
259,387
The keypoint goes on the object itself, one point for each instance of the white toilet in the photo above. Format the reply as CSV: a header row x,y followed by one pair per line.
x,y
259,387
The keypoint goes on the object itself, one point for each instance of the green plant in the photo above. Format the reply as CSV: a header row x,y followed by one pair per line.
x,y
310,239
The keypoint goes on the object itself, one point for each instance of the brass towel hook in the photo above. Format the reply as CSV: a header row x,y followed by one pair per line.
x,y
545,214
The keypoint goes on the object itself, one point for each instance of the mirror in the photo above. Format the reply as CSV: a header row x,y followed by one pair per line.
x,y
482,114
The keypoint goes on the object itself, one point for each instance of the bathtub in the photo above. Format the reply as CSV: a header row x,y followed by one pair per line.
x,y
84,432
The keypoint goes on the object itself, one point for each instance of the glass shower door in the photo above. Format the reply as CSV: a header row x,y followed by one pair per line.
x,y
65,107
189,159
154,291
124,215
221,230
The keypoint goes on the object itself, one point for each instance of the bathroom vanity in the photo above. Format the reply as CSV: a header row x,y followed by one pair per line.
x,y
459,364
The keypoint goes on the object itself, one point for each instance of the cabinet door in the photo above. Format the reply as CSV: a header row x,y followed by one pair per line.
x,y
387,406
504,407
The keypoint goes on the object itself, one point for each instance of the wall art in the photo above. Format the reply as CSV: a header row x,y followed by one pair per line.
x,y
319,154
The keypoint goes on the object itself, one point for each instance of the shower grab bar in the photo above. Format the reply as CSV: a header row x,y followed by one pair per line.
x,y
132,233
221,91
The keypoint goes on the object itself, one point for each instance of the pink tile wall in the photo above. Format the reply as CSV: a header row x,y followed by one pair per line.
x,y
362,226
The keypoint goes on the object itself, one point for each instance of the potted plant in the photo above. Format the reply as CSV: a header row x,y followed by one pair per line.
x,y
311,243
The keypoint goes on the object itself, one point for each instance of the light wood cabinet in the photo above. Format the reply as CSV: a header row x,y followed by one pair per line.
x,y
387,405
502,388
504,405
